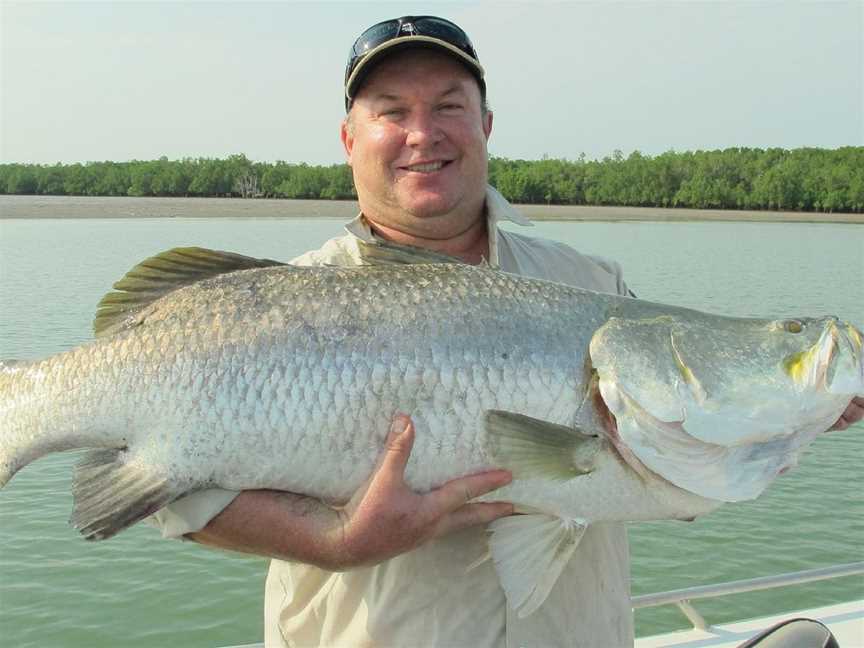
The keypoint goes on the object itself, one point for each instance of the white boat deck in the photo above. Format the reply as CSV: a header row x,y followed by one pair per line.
x,y
846,621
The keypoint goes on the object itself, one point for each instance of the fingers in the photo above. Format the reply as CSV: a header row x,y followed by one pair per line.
x,y
851,415
473,514
448,507
458,492
386,517
398,446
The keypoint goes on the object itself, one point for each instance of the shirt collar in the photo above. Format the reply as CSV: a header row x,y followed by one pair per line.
x,y
497,210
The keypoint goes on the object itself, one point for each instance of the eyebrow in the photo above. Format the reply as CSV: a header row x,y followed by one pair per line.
x,y
386,96
455,88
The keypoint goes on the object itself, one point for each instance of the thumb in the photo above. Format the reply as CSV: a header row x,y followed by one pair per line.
x,y
398,446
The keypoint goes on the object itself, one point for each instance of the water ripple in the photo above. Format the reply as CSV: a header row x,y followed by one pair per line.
x,y
58,590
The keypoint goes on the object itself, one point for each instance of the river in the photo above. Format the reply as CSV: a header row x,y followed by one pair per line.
x,y
139,590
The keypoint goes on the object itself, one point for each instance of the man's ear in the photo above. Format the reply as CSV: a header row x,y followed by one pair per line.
x,y
487,124
346,133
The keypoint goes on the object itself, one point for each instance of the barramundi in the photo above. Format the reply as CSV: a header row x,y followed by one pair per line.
x,y
211,369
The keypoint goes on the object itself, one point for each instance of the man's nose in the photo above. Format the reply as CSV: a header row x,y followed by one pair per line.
x,y
423,131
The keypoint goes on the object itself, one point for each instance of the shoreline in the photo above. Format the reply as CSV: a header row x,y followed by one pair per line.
x,y
586,213
103,207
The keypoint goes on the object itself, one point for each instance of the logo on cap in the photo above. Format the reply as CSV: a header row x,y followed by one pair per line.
x,y
408,27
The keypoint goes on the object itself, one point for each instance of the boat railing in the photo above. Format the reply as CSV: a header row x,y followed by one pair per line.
x,y
683,597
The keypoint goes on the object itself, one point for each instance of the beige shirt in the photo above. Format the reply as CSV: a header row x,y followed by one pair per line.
x,y
428,597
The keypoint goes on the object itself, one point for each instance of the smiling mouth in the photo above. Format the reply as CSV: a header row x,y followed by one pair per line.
x,y
426,167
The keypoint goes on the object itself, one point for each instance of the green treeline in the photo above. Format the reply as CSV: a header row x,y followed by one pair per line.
x,y
805,179
236,176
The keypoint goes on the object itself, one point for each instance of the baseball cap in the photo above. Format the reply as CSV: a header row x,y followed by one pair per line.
x,y
408,31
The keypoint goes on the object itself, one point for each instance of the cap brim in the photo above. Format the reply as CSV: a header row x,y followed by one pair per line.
x,y
374,55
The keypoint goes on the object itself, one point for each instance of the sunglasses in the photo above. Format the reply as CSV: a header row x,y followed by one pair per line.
x,y
430,26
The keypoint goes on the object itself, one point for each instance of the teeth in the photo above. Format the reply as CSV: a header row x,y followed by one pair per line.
x,y
426,168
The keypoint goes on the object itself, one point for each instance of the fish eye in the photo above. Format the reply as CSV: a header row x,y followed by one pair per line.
x,y
793,326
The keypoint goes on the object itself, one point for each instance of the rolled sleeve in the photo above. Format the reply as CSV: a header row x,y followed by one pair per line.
x,y
191,513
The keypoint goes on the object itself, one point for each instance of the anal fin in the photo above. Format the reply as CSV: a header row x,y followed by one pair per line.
x,y
111,494
529,552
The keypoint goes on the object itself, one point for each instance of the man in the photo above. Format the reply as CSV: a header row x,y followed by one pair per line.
x,y
392,567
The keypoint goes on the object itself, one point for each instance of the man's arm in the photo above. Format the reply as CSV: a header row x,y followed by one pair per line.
x,y
383,519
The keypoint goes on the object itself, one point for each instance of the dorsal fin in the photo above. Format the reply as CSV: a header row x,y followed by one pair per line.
x,y
161,274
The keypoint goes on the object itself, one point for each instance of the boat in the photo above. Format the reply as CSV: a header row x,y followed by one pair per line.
x,y
845,620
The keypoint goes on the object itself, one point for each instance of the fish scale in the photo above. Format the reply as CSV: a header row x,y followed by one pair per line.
x,y
211,369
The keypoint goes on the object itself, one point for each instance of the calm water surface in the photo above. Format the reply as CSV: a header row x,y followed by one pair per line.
x,y
139,590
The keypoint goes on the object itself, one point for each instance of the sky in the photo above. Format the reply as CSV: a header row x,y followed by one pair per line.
x,y
139,80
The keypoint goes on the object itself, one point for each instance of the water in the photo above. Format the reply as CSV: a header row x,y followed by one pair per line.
x,y
139,590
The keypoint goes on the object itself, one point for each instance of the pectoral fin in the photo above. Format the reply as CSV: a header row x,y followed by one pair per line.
x,y
530,447
111,494
529,552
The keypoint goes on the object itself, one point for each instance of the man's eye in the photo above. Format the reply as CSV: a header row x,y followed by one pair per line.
x,y
393,112
451,107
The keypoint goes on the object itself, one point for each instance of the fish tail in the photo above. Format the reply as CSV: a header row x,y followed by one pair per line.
x,y
12,459
9,463
21,438
41,413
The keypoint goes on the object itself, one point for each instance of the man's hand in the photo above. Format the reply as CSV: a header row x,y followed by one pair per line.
x,y
383,519
386,518
853,414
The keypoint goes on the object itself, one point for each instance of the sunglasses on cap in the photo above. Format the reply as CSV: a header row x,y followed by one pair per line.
x,y
430,27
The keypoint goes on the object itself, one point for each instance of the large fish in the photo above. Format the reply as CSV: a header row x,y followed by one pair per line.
x,y
211,369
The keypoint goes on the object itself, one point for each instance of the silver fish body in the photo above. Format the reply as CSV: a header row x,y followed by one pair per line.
x,y
287,378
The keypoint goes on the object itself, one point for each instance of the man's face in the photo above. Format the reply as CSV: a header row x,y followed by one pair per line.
x,y
416,143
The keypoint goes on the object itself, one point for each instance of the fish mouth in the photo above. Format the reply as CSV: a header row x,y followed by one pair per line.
x,y
816,366
834,364
844,372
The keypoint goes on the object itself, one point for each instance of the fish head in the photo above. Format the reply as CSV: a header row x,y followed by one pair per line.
x,y
748,361
721,405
